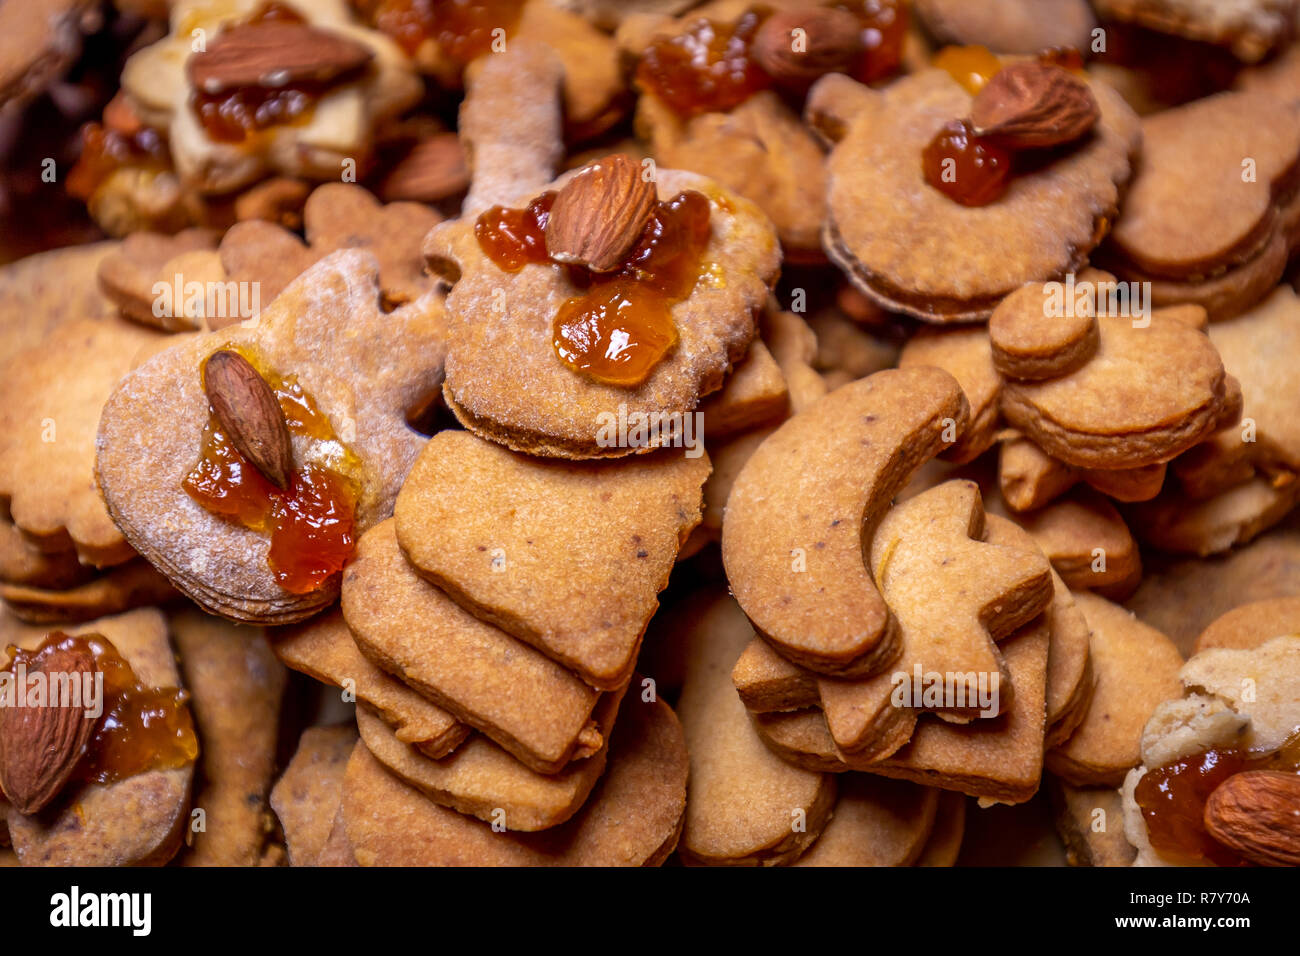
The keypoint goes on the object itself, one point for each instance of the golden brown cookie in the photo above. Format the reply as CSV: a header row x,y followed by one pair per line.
x,y
562,412
1009,26
1136,668
744,805
336,216
364,370
308,794
1091,822
41,291
633,817
51,399
964,353
877,822
523,700
138,820
1252,624
1209,215
323,648
128,275
1177,523
1030,343
1250,28
910,248
568,557
799,573
236,687
134,584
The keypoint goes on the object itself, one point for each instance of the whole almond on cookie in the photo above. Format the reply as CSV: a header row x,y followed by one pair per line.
x,y
1029,105
250,414
274,55
1257,813
41,744
828,42
600,214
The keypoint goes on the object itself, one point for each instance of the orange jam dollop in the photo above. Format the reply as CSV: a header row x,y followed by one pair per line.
x,y
706,69
462,29
965,168
1173,799
884,28
971,66
312,523
104,151
231,116
620,326
1066,57
140,729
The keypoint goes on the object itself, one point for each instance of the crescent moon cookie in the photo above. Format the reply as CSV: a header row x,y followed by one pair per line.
x,y
249,488
941,217
612,294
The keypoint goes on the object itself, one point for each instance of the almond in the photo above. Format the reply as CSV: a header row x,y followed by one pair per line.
x,y
249,414
600,214
1257,814
40,745
828,42
433,170
274,54
1030,105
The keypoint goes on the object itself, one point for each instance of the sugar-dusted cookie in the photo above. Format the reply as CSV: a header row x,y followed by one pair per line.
x,y
690,262
633,817
323,648
307,796
523,700
1236,723
877,822
139,815
236,688
1136,668
50,401
336,216
744,805
911,248
566,556
811,494
348,376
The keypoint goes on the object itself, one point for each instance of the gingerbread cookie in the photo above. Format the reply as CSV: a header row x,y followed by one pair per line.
x,y
633,817
1210,216
348,388
51,397
800,578
129,276
307,796
877,822
964,354
1136,668
911,248
744,805
41,291
589,360
323,648
523,700
112,591
568,557
236,688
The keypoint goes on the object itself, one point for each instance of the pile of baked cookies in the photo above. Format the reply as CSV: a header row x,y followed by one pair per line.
x,y
623,432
